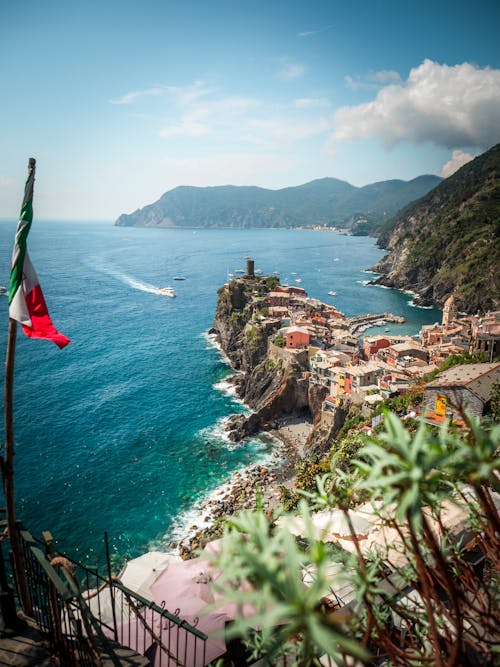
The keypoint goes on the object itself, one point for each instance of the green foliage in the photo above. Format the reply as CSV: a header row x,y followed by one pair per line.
x,y
495,402
452,611
322,202
279,340
271,282
353,419
307,470
290,616
450,236
252,335
344,450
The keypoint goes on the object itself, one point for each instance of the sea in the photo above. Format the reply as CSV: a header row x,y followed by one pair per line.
x,y
123,430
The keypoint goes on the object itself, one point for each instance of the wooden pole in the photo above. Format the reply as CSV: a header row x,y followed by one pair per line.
x,y
8,472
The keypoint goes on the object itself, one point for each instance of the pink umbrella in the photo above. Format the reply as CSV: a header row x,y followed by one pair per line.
x,y
183,579
184,589
171,644
189,650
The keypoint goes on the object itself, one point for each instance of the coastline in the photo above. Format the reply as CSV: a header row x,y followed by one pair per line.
x,y
245,486
204,522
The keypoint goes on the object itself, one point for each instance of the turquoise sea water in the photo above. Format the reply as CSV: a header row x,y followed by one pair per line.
x,y
121,431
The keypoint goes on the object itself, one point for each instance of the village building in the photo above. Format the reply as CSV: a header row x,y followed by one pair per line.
x,y
461,388
485,335
296,338
278,298
321,365
393,382
370,401
372,344
280,312
404,354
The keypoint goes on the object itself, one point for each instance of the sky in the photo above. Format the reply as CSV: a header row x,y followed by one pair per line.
x,y
122,100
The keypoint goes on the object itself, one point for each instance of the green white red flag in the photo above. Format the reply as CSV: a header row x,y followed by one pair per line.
x,y
26,301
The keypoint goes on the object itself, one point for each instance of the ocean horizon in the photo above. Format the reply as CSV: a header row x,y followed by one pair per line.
x,y
123,430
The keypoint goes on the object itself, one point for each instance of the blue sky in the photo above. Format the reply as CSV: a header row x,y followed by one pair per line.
x,y
122,100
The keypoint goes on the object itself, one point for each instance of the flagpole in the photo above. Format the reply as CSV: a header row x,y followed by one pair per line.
x,y
8,463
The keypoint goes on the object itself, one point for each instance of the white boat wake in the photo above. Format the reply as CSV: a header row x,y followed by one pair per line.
x,y
135,283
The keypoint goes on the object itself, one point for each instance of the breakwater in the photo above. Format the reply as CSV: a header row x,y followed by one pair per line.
x,y
359,323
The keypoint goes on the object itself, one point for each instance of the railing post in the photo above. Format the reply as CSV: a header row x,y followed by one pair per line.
x,y
8,471
10,623
111,589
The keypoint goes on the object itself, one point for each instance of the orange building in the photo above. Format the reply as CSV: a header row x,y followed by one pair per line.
x,y
297,338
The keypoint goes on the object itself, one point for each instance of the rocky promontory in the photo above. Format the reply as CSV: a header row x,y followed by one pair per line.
x,y
271,382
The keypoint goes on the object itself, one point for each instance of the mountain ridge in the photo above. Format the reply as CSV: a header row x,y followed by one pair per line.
x,y
326,201
447,242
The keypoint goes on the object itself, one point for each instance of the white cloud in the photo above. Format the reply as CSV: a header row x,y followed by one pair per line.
x,y
310,33
205,117
291,71
373,80
6,182
448,106
457,160
128,98
180,94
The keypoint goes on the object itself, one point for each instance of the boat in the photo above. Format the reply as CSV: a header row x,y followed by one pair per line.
x,y
179,278
258,272
332,293
3,289
239,271
298,280
166,291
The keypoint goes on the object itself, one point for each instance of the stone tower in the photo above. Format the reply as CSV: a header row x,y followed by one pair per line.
x,y
449,311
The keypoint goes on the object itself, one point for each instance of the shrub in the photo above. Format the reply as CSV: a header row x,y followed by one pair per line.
x,y
452,616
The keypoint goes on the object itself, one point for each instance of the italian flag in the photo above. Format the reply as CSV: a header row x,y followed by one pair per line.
x,y
26,302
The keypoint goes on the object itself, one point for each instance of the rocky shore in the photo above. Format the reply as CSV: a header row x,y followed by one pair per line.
x,y
245,487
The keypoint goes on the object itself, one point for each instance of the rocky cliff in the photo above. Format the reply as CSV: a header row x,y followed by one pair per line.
x,y
447,242
270,387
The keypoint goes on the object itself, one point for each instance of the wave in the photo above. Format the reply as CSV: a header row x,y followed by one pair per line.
x,y
199,515
228,389
416,305
216,432
212,342
364,282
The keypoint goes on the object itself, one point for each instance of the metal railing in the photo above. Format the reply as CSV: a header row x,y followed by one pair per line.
x,y
86,616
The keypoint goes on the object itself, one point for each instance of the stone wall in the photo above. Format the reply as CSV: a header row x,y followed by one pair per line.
x,y
288,357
